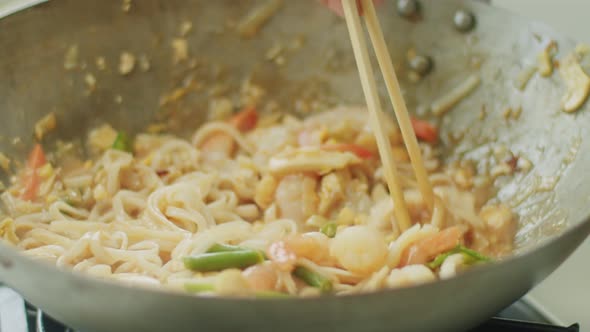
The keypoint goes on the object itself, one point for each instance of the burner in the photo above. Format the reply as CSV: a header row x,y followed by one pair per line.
x,y
511,325
16,315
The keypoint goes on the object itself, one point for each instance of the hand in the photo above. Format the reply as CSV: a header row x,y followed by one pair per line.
x,y
336,5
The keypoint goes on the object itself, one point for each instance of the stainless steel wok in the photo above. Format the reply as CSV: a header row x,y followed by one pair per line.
x,y
33,81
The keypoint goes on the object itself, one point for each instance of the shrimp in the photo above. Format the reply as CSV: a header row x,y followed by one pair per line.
x,y
261,277
218,146
428,248
360,249
296,197
314,246
221,145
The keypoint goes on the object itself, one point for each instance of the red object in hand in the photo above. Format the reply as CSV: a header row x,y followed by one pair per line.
x,y
336,5
425,131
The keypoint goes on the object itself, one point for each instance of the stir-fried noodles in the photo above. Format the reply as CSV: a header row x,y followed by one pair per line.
x,y
253,206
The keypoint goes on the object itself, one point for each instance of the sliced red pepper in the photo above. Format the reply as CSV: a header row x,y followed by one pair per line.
x,y
31,186
245,120
36,157
425,131
31,181
356,149
162,172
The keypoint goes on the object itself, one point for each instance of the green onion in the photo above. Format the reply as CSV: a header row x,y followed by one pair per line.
x,y
122,142
329,229
440,259
220,247
472,255
477,257
313,279
198,287
218,261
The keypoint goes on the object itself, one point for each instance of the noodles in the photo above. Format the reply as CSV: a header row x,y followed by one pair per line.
x,y
246,205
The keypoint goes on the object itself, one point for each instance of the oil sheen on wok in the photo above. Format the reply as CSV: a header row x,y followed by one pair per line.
x,y
253,204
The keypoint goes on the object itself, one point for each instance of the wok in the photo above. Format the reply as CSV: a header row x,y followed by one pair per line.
x,y
553,222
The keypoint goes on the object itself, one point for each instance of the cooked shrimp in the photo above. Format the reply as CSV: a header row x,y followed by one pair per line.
x,y
428,248
410,275
359,249
221,145
314,246
218,146
261,277
296,197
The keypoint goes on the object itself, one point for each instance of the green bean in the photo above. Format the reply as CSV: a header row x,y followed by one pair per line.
x,y
329,229
472,255
221,247
313,279
122,142
223,260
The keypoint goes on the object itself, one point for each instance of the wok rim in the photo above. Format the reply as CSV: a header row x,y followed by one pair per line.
x,y
526,253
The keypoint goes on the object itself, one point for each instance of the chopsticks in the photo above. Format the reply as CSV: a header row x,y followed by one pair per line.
x,y
399,105
369,86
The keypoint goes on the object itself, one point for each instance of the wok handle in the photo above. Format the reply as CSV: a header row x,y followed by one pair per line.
x,y
509,325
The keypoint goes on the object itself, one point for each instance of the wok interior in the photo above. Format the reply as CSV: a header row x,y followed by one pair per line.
x,y
314,77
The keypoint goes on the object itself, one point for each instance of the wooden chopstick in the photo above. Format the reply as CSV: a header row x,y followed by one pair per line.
x,y
361,55
399,105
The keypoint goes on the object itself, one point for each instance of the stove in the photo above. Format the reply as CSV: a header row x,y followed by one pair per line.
x,y
17,315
